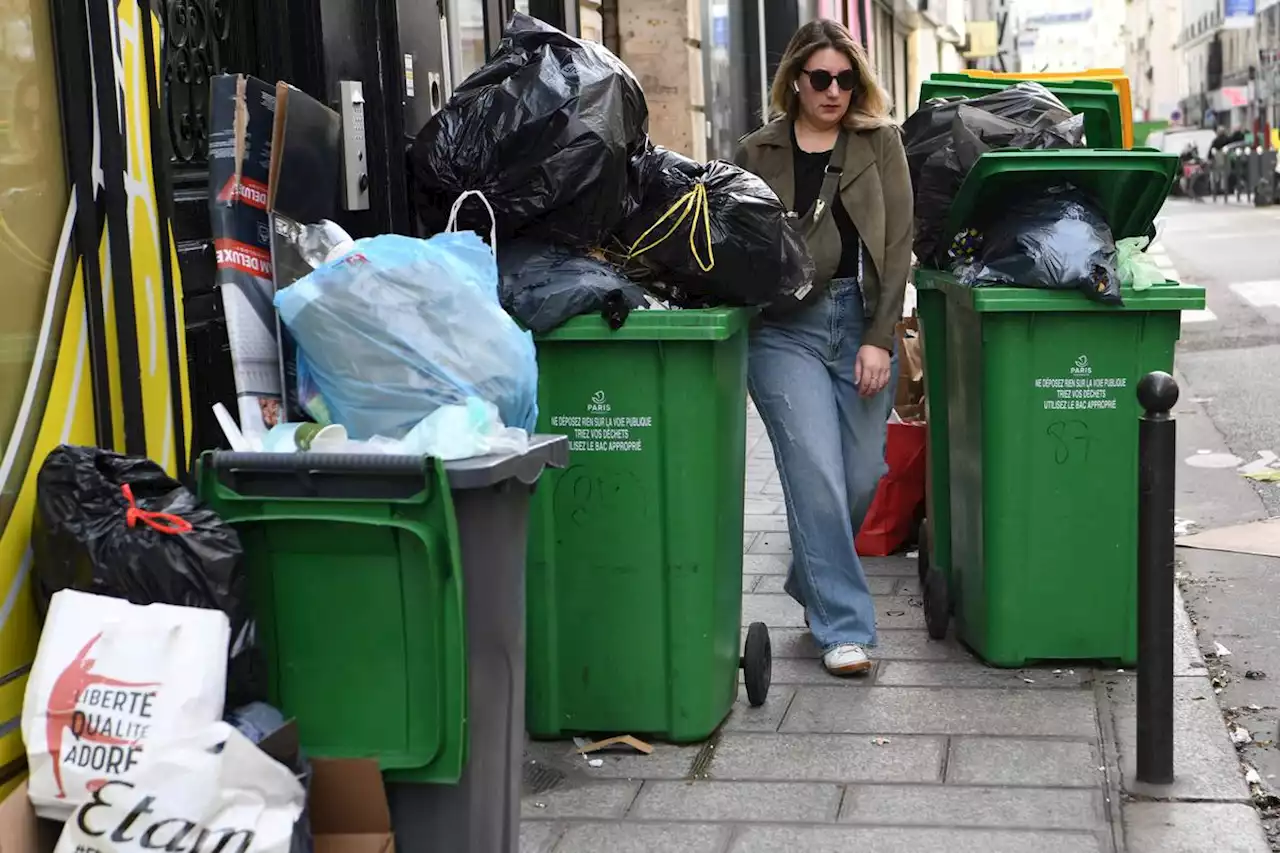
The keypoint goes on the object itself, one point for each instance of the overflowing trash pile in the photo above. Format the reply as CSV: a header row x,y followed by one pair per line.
x,y
591,217
143,717
400,345
1046,234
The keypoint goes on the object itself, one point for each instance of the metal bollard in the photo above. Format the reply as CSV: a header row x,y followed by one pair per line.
x,y
1157,456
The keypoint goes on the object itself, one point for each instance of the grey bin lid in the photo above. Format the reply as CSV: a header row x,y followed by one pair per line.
x,y
343,476
545,451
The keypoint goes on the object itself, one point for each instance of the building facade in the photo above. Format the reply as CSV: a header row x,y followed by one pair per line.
x,y
1223,80
1152,58
1069,35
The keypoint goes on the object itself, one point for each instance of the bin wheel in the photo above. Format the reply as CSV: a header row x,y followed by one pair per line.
x,y
937,604
757,664
922,550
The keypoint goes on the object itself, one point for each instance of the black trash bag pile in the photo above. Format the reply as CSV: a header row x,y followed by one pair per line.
x,y
542,285
545,130
944,138
554,132
1055,239
86,538
712,232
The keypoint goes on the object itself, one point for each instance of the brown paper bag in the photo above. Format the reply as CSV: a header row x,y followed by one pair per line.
x,y
909,399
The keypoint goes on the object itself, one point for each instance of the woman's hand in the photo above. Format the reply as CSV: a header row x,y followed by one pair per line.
x,y
871,370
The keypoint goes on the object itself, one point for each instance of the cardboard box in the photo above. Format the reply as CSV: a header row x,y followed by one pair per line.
x,y
242,116
20,830
349,811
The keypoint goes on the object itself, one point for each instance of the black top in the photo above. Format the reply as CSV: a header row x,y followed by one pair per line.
x,y
810,168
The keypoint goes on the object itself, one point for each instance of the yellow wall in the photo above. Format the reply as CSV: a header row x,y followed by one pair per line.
x,y
66,415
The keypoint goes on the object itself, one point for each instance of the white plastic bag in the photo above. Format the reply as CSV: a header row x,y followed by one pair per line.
x,y
109,679
212,790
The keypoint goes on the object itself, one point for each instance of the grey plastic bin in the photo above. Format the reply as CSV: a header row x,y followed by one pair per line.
x,y
480,812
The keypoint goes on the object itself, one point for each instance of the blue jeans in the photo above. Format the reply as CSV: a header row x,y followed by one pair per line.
x,y
828,443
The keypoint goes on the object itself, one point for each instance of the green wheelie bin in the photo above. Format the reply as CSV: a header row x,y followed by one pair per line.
x,y
389,598
1041,427
635,551
1099,103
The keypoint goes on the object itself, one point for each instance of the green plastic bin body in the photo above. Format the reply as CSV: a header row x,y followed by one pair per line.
x,y
1129,187
635,560
1043,429
358,596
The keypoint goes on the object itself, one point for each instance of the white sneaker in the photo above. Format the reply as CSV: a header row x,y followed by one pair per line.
x,y
846,659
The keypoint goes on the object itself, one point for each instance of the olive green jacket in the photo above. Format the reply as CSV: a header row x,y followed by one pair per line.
x,y
875,189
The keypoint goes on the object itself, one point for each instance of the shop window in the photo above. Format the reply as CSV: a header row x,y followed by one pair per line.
x,y
33,205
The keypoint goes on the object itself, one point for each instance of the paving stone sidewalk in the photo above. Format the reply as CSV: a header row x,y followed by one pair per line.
x,y
934,751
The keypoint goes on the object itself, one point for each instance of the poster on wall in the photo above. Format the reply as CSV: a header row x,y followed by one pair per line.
x,y
1239,14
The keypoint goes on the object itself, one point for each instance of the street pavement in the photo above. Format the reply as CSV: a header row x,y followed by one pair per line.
x,y
936,751
1228,417
933,751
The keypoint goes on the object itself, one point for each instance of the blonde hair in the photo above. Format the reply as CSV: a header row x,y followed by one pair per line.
x,y
869,106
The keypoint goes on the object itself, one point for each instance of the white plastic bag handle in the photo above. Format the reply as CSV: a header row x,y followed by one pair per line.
x,y
452,227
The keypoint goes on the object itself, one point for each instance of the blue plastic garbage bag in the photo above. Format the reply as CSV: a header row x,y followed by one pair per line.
x,y
398,326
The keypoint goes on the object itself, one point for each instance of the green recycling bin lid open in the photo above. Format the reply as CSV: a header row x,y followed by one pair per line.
x,y
1000,299
1096,100
1129,186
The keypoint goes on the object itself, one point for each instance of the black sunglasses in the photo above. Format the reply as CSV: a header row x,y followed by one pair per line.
x,y
820,79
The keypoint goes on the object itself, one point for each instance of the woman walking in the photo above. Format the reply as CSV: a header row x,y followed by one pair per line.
x,y
821,375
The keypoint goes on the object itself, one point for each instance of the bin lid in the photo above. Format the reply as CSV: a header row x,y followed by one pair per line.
x,y
353,476
1097,100
1168,296
481,472
1129,186
699,324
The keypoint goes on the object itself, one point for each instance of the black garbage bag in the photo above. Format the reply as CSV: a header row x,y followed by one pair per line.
x,y
119,526
928,129
1055,239
945,138
542,285
545,130
711,232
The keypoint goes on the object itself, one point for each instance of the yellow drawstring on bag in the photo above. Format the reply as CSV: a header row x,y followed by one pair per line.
x,y
692,204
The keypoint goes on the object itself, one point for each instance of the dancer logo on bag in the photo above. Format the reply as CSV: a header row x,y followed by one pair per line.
x,y
107,719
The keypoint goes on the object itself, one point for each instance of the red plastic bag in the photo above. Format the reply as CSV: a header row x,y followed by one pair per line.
x,y
899,500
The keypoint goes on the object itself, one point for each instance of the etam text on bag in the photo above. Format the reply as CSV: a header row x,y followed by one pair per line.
x,y
210,791
139,828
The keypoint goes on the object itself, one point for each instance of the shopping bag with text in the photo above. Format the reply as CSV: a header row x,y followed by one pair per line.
x,y
109,679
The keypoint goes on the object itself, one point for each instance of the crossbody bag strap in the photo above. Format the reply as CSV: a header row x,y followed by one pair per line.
x,y
830,181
